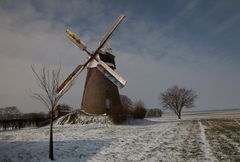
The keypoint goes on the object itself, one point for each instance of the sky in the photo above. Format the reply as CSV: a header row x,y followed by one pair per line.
x,y
162,43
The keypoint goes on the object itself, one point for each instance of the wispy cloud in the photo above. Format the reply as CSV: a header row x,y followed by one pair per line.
x,y
154,49
227,24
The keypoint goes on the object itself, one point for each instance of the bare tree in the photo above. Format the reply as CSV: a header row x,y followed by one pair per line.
x,y
48,82
176,98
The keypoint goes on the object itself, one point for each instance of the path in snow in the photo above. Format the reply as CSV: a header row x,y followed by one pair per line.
x,y
206,147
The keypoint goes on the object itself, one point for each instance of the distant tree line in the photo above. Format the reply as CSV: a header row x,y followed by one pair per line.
x,y
153,112
12,118
11,112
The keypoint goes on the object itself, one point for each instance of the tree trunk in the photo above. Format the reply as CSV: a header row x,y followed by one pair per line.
x,y
179,115
51,137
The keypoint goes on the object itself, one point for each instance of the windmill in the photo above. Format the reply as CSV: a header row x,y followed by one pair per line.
x,y
102,82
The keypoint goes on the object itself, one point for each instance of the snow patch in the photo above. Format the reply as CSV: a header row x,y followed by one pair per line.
x,y
155,139
79,117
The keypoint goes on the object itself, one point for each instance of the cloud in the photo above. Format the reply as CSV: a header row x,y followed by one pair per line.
x,y
151,54
27,40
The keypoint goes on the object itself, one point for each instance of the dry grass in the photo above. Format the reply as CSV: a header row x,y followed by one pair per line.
x,y
224,139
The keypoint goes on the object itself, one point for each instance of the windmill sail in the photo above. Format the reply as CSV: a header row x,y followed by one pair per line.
x,y
111,29
70,78
111,74
75,39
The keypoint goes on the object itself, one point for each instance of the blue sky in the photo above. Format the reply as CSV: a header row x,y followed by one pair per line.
x,y
161,43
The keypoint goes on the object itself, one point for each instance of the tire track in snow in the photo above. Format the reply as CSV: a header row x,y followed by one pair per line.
x,y
146,143
237,122
206,145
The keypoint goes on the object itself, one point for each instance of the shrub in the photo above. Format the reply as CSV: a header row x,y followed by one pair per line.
x,y
127,105
127,109
139,111
117,114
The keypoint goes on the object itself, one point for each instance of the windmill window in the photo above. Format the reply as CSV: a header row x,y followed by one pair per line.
x,y
107,58
108,103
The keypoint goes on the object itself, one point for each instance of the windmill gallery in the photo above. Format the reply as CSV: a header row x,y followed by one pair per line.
x,y
102,82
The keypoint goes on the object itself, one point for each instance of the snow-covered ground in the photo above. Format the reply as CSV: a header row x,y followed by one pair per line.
x,y
194,138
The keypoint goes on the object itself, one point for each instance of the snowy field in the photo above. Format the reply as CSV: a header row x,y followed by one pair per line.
x,y
197,137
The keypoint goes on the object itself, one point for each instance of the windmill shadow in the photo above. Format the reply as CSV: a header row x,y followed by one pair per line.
x,y
73,150
140,122
148,121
